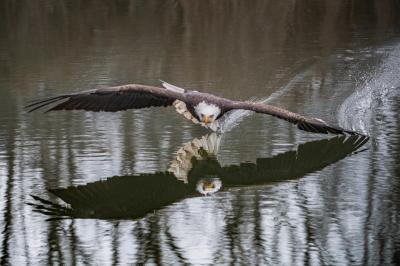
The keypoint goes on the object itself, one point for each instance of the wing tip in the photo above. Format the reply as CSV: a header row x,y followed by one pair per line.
x,y
352,133
320,126
39,104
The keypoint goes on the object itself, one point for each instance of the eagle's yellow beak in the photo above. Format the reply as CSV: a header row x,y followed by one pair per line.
x,y
208,186
206,119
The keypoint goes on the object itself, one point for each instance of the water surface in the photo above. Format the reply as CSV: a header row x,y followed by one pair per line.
x,y
337,60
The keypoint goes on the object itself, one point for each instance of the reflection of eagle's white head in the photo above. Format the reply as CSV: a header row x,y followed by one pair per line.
x,y
207,186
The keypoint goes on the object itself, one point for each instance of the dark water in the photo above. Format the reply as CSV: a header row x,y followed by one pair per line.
x,y
281,196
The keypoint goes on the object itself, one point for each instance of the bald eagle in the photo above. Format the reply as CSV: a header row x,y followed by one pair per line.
x,y
200,108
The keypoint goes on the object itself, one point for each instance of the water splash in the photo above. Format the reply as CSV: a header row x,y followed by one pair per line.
x,y
357,111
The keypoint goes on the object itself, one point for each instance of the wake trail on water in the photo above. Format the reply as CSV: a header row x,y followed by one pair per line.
x,y
233,118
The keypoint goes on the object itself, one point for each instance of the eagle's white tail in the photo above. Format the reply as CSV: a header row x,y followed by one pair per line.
x,y
172,87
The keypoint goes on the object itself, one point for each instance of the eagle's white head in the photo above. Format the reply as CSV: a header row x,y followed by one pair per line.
x,y
207,112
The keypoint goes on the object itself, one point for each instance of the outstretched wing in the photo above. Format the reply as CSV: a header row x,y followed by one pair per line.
x,y
111,99
309,124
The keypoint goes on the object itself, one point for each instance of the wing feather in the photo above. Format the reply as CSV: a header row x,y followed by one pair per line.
x,y
110,99
309,124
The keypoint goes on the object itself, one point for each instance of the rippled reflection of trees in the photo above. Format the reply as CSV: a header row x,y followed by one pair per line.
x,y
179,34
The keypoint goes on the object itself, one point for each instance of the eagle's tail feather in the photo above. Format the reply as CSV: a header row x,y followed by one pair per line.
x,y
172,87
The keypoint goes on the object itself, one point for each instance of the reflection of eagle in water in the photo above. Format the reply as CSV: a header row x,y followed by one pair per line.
x,y
194,170
199,107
